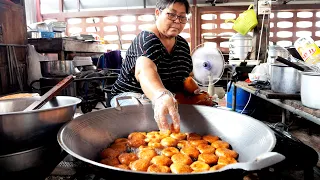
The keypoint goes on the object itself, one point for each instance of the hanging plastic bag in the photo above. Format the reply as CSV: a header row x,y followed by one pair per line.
x,y
245,22
34,69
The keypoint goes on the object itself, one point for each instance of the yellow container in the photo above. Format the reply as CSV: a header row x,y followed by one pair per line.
x,y
245,22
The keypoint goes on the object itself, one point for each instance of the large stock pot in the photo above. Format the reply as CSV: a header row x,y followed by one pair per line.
x,y
87,135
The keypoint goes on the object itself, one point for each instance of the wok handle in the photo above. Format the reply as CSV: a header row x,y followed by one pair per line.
x,y
124,98
262,161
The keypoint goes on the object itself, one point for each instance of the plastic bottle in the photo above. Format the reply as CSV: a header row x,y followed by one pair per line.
x,y
308,50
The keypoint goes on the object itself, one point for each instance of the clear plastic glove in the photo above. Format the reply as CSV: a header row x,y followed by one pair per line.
x,y
165,104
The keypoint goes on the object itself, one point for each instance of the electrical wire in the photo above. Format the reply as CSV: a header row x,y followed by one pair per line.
x,y
246,104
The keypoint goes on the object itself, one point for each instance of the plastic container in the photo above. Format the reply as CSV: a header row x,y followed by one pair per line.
x,y
47,35
245,22
242,98
308,50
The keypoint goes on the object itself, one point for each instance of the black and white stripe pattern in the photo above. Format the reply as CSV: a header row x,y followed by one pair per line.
x,y
172,68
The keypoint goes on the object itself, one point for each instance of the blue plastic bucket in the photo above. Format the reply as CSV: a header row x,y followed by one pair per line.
x,y
242,98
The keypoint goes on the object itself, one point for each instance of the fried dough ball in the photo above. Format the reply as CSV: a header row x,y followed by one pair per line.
x,y
110,161
135,143
119,147
190,151
205,148
208,158
169,151
197,142
216,167
147,154
158,169
139,165
210,138
169,142
193,136
165,134
199,166
226,160
137,135
226,152
126,158
155,145
220,144
183,143
151,133
153,138
121,140
122,166
178,136
109,153
179,168
145,147
181,159
161,160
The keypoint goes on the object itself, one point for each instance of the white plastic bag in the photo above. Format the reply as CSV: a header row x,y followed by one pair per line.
x,y
260,73
34,69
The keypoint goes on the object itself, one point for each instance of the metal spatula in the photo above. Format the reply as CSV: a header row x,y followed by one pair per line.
x,y
50,94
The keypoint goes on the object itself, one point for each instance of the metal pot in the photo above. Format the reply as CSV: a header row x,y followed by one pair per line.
x,y
58,68
275,51
32,158
87,135
284,79
240,46
24,130
310,86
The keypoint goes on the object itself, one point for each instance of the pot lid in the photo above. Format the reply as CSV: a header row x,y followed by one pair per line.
x,y
311,73
239,36
277,48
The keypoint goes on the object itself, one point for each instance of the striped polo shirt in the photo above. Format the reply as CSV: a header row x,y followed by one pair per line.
x,y
172,68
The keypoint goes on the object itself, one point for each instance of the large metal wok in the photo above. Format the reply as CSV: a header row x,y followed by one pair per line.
x,y
87,135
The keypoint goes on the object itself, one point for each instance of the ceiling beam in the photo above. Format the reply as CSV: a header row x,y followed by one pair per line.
x,y
84,14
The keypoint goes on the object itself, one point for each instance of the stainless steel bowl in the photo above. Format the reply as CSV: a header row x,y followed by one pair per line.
x,y
24,130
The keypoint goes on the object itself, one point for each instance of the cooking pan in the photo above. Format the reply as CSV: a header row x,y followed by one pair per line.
x,y
87,135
